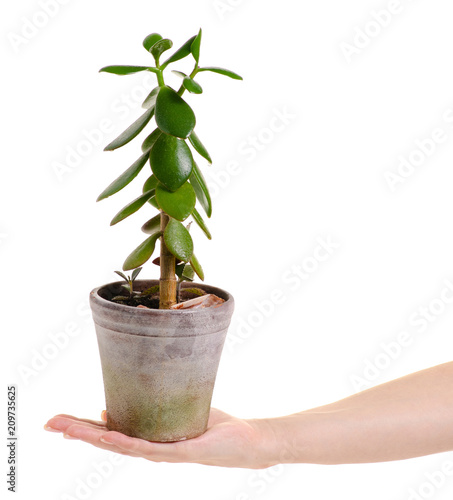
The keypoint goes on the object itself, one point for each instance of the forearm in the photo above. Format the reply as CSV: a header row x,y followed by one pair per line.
x,y
404,418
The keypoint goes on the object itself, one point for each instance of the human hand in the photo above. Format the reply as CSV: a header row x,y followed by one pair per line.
x,y
228,441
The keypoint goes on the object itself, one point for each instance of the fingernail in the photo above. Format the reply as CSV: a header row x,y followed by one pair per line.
x,y
67,436
104,416
105,441
50,429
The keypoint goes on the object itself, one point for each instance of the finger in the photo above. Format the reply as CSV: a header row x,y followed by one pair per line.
x,y
104,415
157,452
61,424
94,422
93,436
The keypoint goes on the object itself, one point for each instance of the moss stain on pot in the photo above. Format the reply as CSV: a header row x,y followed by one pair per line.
x,y
139,408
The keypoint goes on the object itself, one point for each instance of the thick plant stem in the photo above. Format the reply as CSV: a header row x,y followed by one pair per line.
x,y
167,282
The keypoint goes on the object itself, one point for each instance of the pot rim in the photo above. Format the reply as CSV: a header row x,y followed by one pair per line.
x,y
105,303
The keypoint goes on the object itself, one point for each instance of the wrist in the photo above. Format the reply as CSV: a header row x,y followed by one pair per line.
x,y
276,441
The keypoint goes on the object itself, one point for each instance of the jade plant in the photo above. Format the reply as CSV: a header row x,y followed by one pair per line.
x,y
176,182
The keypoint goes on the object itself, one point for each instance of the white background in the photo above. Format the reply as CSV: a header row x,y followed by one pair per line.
x,y
321,175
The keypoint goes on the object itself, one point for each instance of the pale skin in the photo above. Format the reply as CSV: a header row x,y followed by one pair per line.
x,y
405,418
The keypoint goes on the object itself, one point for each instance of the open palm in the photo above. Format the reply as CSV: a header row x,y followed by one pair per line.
x,y
228,441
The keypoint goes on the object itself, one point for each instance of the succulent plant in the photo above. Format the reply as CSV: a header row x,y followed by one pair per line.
x,y
176,182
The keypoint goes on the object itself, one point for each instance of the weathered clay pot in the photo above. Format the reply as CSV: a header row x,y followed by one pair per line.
x,y
159,366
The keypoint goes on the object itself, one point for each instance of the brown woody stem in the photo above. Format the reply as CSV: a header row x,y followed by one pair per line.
x,y
167,282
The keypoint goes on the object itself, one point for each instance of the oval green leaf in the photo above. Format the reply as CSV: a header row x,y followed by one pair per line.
x,y
179,269
197,267
148,143
135,273
124,179
222,71
173,115
178,240
159,47
123,70
151,183
152,226
195,47
188,273
142,253
198,146
182,52
191,85
150,101
178,204
201,189
179,73
171,161
119,273
150,40
201,223
132,207
131,131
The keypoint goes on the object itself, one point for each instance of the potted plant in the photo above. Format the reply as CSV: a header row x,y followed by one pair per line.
x,y
160,341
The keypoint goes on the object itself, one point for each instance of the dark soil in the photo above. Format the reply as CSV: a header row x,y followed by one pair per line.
x,y
150,298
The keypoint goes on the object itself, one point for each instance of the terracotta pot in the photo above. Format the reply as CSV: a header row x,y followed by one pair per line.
x,y
159,366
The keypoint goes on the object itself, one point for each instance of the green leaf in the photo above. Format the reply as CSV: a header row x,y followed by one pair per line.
x,y
179,269
150,40
178,240
150,101
198,145
195,47
132,207
124,179
119,273
173,115
222,71
135,273
201,189
150,291
152,226
124,70
178,204
179,73
148,143
131,131
159,47
171,161
182,52
151,183
188,274
197,267
199,220
192,86
142,253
